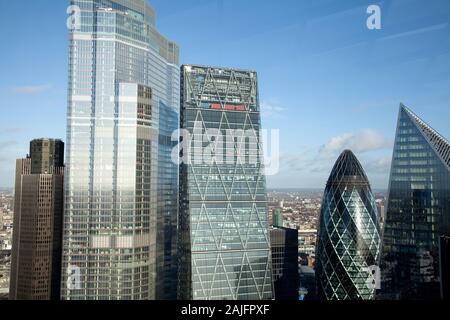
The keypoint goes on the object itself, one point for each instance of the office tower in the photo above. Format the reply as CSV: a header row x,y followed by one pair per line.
x,y
122,188
38,214
418,211
284,245
278,219
348,244
224,240
444,267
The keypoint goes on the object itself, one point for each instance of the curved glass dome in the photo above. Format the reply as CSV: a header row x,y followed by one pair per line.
x,y
348,244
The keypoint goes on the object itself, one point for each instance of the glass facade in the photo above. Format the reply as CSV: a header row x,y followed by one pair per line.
x,y
120,192
349,236
418,211
444,262
224,240
285,268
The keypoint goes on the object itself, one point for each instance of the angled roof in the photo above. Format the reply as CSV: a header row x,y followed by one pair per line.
x,y
438,143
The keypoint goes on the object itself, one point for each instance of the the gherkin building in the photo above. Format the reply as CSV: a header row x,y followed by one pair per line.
x,y
348,244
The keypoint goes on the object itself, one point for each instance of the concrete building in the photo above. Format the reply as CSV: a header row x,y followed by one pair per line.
x,y
36,252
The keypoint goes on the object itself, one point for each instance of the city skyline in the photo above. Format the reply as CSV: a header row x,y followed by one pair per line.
x,y
372,71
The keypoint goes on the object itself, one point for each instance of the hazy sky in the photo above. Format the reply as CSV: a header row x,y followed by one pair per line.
x,y
326,81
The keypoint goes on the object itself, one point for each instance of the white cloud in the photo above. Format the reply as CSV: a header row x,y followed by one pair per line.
x,y
296,162
7,144
269,109
364,141
32,89
7,161
8,131
380,165
5,148
292,163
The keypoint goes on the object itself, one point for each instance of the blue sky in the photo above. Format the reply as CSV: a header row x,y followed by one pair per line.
x,y
326,80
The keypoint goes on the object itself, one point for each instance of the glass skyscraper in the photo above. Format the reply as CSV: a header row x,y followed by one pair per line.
x,y
285,268
418,211
349,236
444,267
121,189
224,240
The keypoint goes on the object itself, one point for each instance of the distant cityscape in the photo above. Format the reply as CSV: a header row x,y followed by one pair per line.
x,y
300,209
6,228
